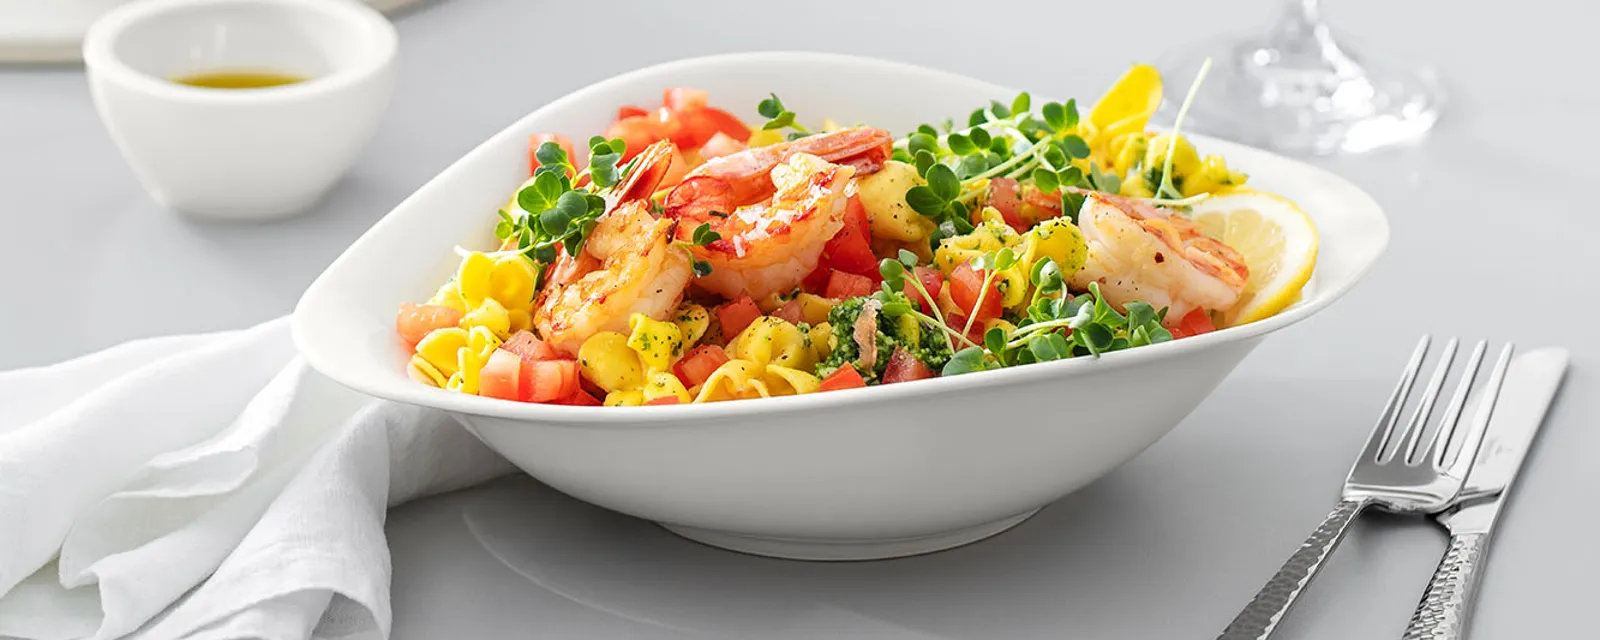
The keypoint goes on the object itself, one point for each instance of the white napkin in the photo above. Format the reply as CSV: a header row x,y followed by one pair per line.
x,y
208,486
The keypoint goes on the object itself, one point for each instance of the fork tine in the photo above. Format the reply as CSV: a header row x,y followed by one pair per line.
x,y
1468,452
1439,442
1419,418
1379,440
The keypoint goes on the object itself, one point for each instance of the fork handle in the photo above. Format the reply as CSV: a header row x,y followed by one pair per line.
x,y
1442,613
1259,618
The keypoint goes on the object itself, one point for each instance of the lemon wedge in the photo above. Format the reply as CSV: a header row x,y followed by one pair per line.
x,y
1278,242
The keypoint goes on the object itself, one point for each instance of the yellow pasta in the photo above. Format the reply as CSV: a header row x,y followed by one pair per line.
x,y
419,370
821,336
512,281
473,278
608,361
775,341
658,343
883,196
470,356
692,321
814,308
662,384
491,315
739,379
449,295
1057,239
624,398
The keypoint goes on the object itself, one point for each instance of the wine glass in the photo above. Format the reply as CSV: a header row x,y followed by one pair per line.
x,y
1296,89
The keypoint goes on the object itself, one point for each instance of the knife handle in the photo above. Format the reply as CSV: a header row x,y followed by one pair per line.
x,y
1442,614
1259,618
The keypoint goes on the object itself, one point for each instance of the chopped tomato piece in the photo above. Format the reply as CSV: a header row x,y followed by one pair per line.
x,y
416,321
629,111
735,316
904,367
548,380
537,139
637,132
1005,197
684,99
845,377
850,250
500,376
673,127
843,285
721,144
1038,206
727,123
580,399
957,321
1193,324
817,281
663,400
529,347
697,365
933,281
790,312
965,285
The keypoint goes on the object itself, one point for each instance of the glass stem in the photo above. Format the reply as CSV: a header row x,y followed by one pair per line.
x,y
1301,39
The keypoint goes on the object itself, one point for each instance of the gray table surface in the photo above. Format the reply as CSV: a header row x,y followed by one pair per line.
x,y
1492,238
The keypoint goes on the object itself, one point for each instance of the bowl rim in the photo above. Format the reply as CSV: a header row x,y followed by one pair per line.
x,y
356,18
624,417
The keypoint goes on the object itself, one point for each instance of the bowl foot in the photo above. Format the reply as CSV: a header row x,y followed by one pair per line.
x,y
832,549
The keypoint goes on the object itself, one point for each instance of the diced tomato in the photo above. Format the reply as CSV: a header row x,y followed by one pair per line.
x,y
735,316
529,347
500,377
1193,324
845,377
790,312
579,399
727,123
629,111
933,281
843,285
537,139
957,321
850,250
637,132
1038,206
684,99
965,285
663,400
548,380
817,281
697,365
416,321
1005,197
904,367
673,128
721,144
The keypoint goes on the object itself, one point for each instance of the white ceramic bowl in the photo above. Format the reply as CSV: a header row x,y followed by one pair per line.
x,y
253,154
877,472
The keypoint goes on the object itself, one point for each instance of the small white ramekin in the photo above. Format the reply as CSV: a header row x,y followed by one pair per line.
x,y
241,154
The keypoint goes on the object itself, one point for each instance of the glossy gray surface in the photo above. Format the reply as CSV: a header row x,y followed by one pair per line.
x,y
1492,237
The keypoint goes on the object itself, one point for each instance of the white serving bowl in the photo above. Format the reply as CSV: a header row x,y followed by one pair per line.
x,y
870,473
256,154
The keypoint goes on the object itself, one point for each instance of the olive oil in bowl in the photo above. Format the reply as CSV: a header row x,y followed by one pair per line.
x,y
239,79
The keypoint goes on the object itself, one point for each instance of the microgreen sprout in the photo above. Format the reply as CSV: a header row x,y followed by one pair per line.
x,y
778,117
555,215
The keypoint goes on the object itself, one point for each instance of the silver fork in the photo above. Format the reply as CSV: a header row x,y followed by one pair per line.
x,y
1412,476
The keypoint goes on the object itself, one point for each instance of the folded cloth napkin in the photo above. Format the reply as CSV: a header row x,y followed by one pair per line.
x,y
208,486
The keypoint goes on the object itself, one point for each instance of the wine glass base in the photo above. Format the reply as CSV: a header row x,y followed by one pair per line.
x,y
1333,102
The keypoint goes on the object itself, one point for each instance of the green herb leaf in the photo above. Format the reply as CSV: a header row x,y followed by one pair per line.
x,y
542,194
1021,103
971,166
979,116
702,268
922,141
703,235
995,341
1045,180
980,138
1075,146
895,308
1071,113
1049,346
770,107
1055,116
907,258
960,144
551,154
928,129
893,274
966,360
779,121
923,200
999,110
944,183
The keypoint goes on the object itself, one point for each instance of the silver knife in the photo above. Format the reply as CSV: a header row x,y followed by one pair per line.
x,y
1530,385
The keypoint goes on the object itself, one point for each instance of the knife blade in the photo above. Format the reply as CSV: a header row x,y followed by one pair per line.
x,y
1530,386
1531,381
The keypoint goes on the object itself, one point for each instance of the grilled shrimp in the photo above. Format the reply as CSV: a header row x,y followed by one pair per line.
x,y
774,208
628,265
1138,251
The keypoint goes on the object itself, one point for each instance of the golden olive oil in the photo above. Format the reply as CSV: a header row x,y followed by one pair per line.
x,y
239,79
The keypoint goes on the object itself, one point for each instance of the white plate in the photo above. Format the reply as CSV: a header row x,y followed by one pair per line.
x,y
51,31
877,472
